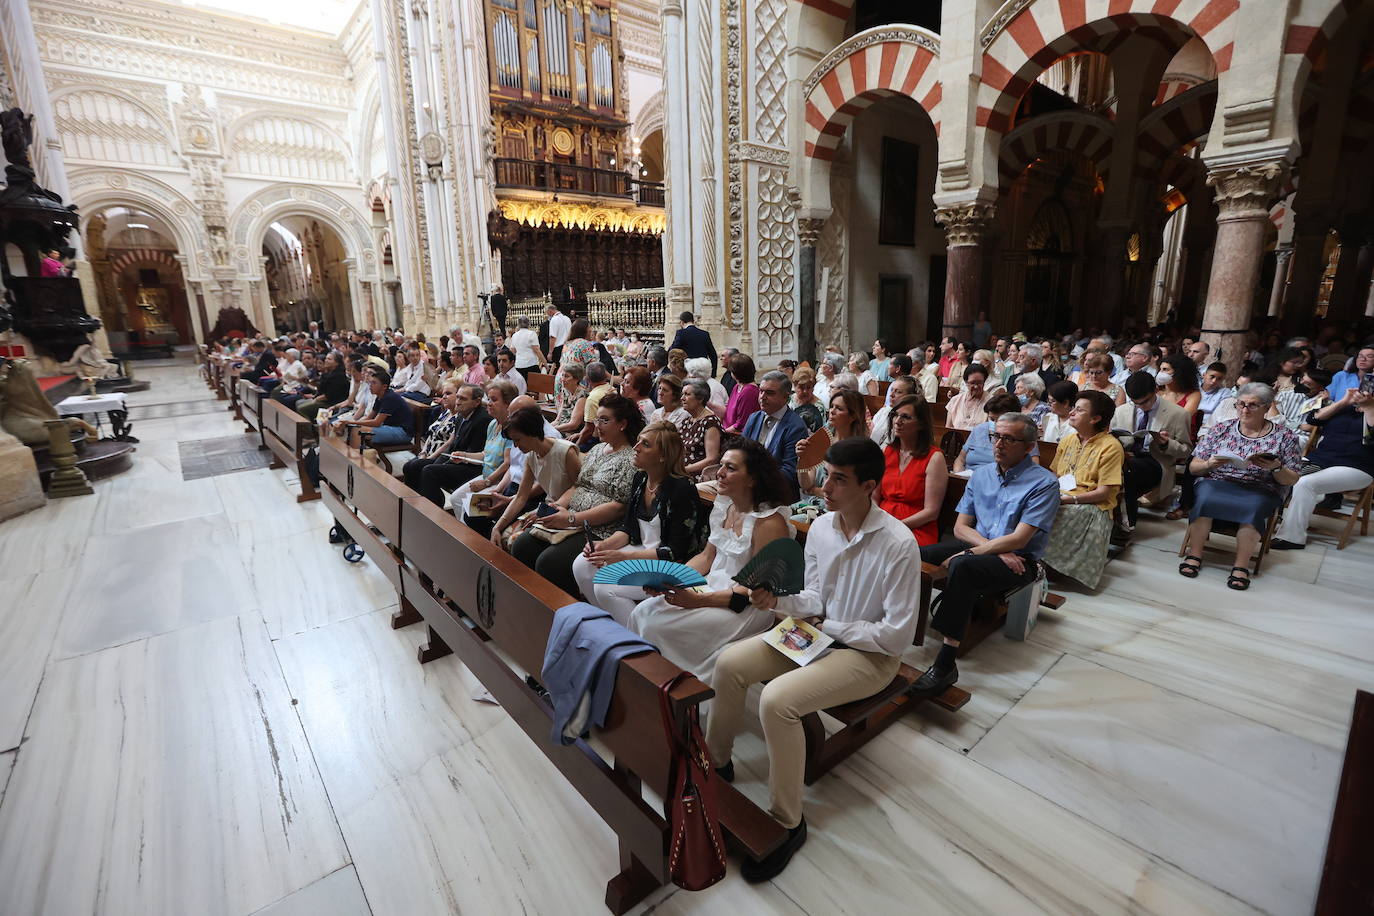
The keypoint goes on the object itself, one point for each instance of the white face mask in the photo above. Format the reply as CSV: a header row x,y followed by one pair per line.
x,y
1164,378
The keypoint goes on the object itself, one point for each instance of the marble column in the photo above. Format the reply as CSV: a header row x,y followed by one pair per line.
x,y
808,234
677,240
1305,272
965,227
1243,195
1283,260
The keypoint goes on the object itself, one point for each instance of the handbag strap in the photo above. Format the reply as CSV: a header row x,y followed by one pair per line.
x,y
665,702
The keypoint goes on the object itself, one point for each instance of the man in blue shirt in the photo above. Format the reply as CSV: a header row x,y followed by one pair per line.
x,y
1004,524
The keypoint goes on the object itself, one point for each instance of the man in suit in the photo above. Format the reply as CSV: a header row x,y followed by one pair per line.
x,y
776,426
470,435
1032,360
693,341
1150,459
499,305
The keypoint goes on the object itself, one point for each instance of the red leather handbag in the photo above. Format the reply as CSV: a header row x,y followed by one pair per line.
x,y
696,851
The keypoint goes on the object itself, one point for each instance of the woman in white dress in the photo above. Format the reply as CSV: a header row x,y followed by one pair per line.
x,y
662,499
691,627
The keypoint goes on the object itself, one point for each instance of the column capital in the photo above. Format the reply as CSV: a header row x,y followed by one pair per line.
x,y
809,230
965,223
1246,191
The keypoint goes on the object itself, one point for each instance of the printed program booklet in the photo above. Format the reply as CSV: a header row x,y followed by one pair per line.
x,y
798,640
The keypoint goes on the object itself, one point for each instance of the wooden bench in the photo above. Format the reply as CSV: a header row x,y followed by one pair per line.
x,y
250,408
1347,880
496,614
539,385
419,420
289,435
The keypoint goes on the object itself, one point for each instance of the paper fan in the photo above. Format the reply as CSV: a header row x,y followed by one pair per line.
x,y
659,574
779,567
813,453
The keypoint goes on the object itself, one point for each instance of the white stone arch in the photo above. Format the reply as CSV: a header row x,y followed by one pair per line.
x,y
93,190
252,218
372,108
155,134
287,152
649,118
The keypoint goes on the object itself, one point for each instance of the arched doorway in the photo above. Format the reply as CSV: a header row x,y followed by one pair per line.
x,y
307,274
139,281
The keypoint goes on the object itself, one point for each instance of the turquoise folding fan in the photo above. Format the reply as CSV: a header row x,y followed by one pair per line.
x,y
656,574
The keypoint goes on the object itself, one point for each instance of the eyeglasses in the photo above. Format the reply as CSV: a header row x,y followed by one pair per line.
x,y
1249,405
602,421
1004,439
903,418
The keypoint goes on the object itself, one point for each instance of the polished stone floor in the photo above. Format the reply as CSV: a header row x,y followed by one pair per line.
x,y
183,733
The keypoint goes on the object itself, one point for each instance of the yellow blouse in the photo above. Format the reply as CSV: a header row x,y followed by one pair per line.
x,y
1094,463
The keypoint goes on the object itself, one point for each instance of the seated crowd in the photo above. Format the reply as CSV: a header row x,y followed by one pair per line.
x,y
884,458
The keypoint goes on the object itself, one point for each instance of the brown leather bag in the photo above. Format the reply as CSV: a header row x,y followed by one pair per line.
x,y
696,851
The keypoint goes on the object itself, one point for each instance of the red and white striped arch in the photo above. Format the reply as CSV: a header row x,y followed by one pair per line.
x,y
862,71
146,257
1022,42
1182,120
1089,135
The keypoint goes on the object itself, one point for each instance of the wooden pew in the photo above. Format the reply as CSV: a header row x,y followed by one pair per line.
x,y
1347,880
540,386
231,384
289,435
250,407
485,605
1047,452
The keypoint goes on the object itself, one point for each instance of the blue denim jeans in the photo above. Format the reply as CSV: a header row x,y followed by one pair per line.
x,y
390,435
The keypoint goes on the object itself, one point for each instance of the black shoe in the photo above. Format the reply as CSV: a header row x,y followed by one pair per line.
x,y
770,866
727,772
1121,535
1332,502
934,682
1281,544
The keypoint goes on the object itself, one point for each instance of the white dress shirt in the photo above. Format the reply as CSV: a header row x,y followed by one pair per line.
x,y
868,587
515,378
559,326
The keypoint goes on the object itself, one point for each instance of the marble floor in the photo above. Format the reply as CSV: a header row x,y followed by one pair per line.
x,y
180,734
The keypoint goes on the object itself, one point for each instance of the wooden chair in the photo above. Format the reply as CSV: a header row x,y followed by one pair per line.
x,y
952,443
1230,529
1047,452
539,385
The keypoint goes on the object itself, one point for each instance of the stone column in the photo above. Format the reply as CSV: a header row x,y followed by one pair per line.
x,y
965,226
1283,260
808,233
677,240
1243,196
1108,267
1305,273
1352,275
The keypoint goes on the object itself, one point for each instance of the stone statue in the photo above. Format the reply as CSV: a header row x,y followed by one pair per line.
x,y
87,362
16,132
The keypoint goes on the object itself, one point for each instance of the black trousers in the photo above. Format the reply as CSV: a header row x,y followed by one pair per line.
x,y
552,561
970,578
1142,474
435,479
483,524
411,471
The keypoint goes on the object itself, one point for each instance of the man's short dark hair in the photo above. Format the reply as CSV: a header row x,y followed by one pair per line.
x,y
1320,376
686,318
658,355
382,376
1139,384
902,360
1216,367
860,453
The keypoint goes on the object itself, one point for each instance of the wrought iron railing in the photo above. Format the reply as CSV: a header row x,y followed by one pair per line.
x,y
577,179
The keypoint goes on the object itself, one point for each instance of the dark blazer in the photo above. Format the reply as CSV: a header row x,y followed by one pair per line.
x,y
682,517
784,445
543,334
696,343
266,363
471,434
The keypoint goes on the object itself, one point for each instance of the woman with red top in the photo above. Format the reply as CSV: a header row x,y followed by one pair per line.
x,y
744,397
913,485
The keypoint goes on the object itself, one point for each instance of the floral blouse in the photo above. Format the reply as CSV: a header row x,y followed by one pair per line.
x,y
439,432
1226,439
606,477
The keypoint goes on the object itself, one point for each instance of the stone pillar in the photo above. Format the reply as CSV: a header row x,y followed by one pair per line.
x,y
965,227
1283,260
1352,275
1305,273
1243,196
677,240
808,233
1108,270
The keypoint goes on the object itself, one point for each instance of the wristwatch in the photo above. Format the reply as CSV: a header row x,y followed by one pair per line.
x,y
572,517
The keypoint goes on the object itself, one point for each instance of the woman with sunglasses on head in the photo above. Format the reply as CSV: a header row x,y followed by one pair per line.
x,y
846,417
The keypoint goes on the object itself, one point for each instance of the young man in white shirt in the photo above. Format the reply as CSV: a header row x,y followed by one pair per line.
x,y
505,369
559,326
862,582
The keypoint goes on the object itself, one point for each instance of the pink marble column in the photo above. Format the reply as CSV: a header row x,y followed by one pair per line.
x,y
1243,196
965,226
1283,257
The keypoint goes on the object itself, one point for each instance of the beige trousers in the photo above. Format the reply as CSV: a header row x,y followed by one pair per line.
x,y
843,676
